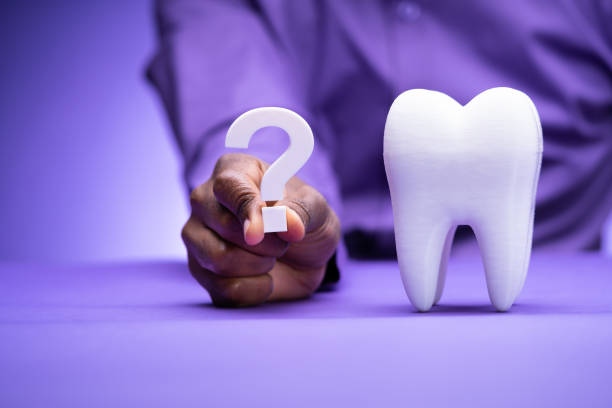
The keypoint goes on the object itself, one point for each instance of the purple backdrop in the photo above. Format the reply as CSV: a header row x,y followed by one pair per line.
x,y
88,171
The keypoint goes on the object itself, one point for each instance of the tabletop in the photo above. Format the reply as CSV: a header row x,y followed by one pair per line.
x,y
130,334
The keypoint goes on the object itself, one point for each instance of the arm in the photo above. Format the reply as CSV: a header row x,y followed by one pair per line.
x,y
217,59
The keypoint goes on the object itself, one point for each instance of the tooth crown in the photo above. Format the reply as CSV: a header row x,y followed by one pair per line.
x,y
477,165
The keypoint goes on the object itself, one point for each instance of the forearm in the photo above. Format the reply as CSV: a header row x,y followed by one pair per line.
x,y
216,60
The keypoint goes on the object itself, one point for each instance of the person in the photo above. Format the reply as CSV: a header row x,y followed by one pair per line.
x,y
340,64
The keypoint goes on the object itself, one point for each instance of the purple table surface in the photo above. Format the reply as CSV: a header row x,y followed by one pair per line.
x,y
132,334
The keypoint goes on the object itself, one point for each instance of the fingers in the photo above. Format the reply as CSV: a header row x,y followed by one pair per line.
x,y
235,187
281,284
232,276
232,291
308,210
290,283
313,230
226,225
220,256
308,214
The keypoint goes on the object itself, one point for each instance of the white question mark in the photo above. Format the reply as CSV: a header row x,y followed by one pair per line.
x,y
301,144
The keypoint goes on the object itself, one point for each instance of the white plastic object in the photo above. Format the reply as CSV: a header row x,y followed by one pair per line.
x,y
274,218
301,145
475,165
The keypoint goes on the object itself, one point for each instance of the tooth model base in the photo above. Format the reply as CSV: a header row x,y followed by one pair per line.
x,y
475,165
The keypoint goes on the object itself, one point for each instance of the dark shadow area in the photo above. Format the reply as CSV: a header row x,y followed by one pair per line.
x,y
461,309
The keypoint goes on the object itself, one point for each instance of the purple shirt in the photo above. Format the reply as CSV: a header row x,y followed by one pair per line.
x,y
340,64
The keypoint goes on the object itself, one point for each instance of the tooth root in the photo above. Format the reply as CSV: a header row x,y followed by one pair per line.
x,y
505,249
422,249
444,264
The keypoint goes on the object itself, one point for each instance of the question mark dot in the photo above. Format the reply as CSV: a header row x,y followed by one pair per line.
x,y
274,218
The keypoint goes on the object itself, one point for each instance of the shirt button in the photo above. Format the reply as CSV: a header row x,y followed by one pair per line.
x,y
408,10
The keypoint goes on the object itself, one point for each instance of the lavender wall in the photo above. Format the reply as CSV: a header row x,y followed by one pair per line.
x,y
87,170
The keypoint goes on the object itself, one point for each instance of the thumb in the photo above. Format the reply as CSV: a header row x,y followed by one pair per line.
x,y
252,226
240,195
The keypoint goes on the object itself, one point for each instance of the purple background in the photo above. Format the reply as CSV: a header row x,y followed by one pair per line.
x,y
88,171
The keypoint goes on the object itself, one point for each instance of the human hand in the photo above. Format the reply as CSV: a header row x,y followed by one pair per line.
x,y
230,256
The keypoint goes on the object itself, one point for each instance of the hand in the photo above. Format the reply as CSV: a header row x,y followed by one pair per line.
x,y
228,253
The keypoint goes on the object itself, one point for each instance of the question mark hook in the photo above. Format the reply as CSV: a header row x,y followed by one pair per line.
x,y
301,145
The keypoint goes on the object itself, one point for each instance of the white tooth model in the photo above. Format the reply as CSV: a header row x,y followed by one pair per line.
x,y
475,165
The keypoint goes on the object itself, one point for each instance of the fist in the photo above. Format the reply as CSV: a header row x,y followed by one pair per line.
x,y
230,256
